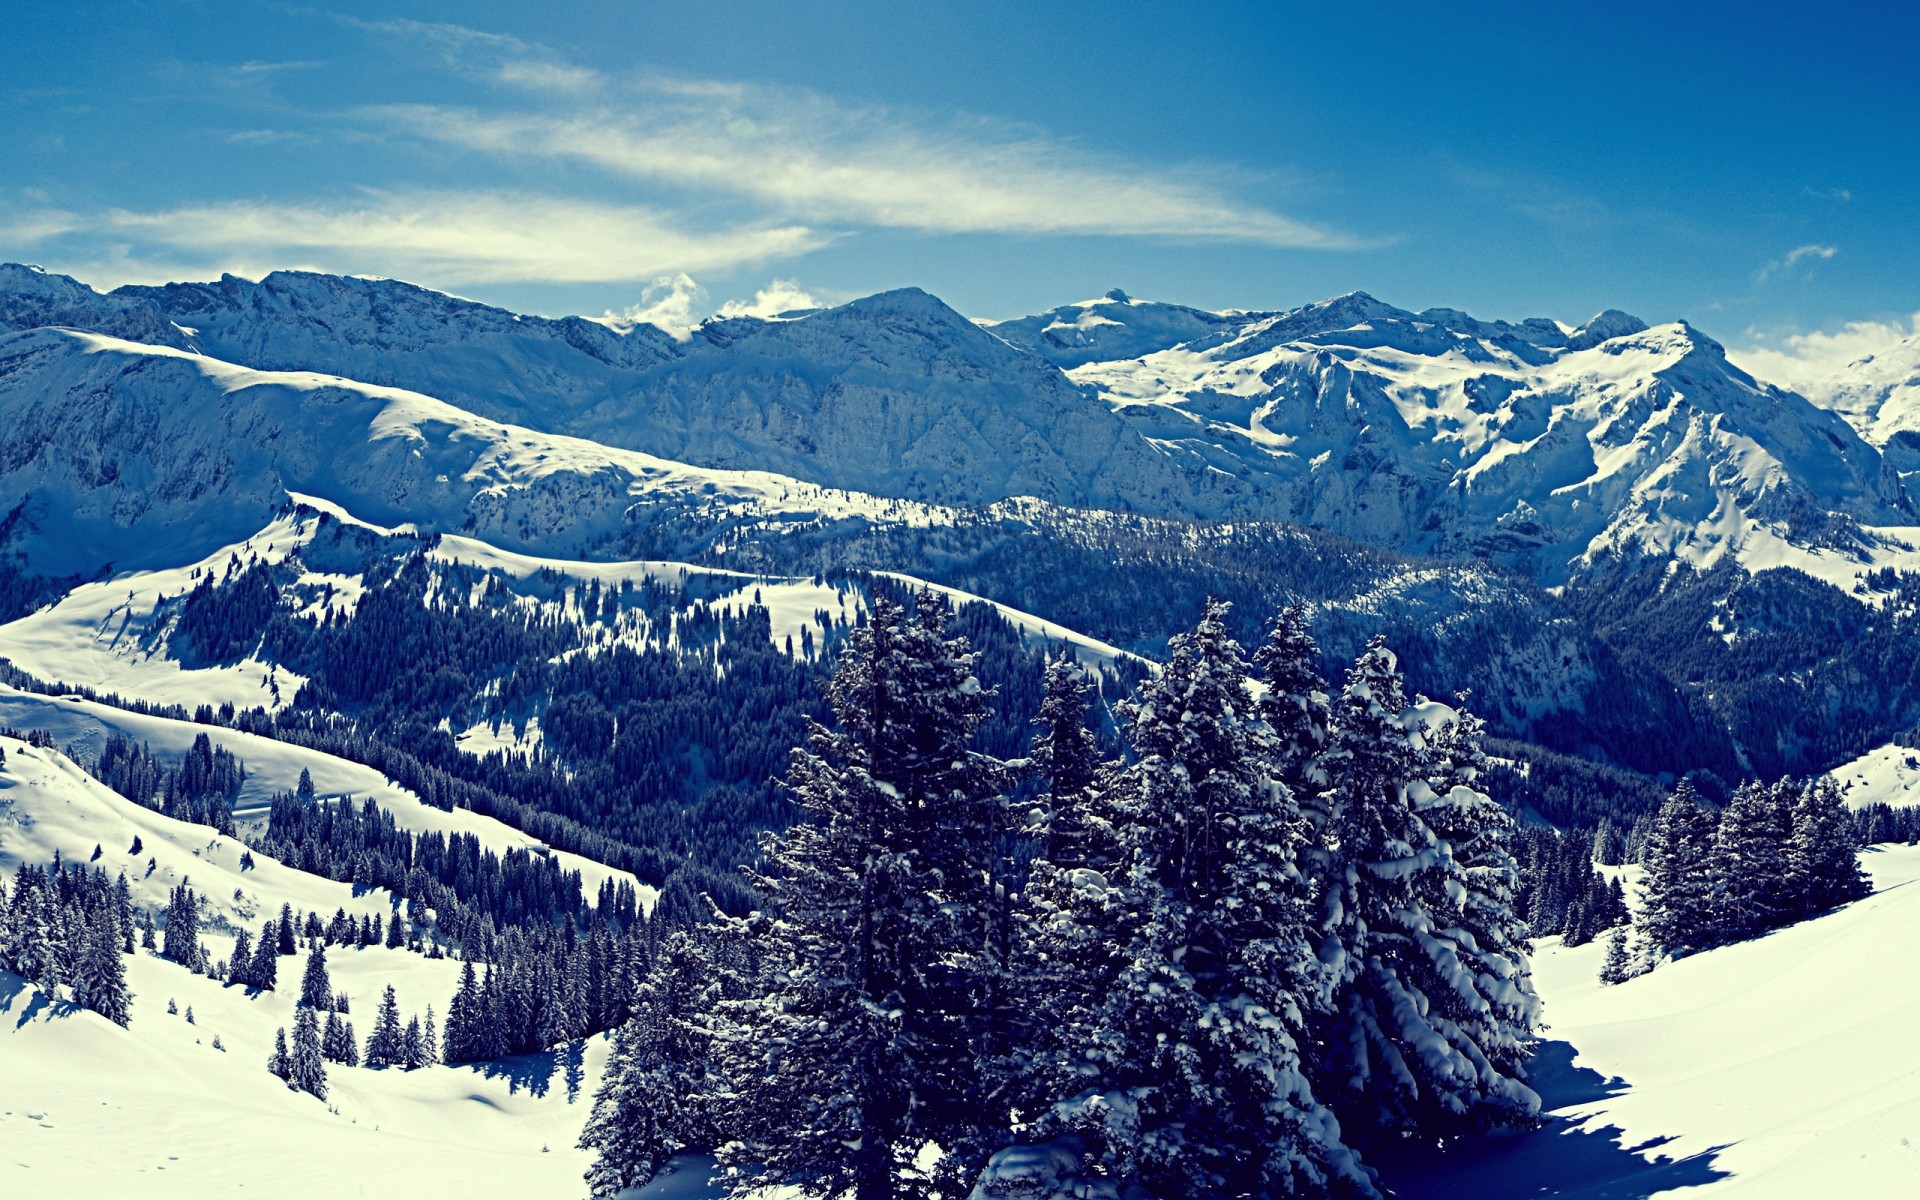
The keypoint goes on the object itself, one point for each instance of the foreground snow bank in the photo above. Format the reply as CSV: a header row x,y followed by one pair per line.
x,y
1782,1067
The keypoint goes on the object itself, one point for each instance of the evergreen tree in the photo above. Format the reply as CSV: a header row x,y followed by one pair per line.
x,y
1296,705
429,1041
1199,1032
1066,756
867,1052
1823,868
240,964
280,1062
1618,967
100,982
1747,864
658,1095
183,929
306,1067
315,989
1418,1040
386,1045
413,1047
1676,892
265,971
463,1040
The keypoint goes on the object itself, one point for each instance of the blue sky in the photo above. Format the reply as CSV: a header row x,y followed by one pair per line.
x,y
1755,170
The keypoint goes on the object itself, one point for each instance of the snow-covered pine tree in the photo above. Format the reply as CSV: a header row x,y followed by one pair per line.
x,y
1748,861
1066,758
1823,867
315,989
183,929
866,1051
1199,1087
386,1045
659,1094
100,979
1490,1000
461,1038
1296,704
413,1046
240,962
280,1061
306,1069
265,971
1676,906
1618,967
1411,1045
283,937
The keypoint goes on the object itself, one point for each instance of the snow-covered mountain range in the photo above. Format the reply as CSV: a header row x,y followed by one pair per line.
x,y
1538,444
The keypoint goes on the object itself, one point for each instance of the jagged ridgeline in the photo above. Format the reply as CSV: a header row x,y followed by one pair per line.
x,y
649,714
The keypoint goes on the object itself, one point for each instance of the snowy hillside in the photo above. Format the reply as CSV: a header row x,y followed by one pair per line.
x,y
1541,444
1434,432
1777,1068
133,456
89,1108
1880,396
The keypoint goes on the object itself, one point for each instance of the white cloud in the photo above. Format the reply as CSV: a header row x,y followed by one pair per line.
x,y
673,302
780,296
1793,258
449,238
807,159
1800,359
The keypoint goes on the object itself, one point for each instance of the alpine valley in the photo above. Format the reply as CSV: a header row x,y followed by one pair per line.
x,y
466,637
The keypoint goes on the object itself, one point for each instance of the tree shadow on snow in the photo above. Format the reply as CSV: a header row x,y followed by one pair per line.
x,y
1567,1156
532,1073
17,995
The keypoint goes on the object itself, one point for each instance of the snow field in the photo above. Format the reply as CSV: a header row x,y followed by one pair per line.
x,y
1781,1067
88,1109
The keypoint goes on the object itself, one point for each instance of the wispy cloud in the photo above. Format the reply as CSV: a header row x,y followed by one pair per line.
x,y
780,296
805,157
1793,258
676,304
451,237
1837,195
1800,359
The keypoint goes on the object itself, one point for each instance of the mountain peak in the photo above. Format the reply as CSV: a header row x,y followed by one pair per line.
x,y
1604,327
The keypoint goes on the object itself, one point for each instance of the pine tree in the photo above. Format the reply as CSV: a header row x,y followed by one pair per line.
x,y
1066,757
462,1038
1676,908
100,982
1418,1040
284,941
1296,705
183,929
315,990
867,1051
265,970
1618,967
306,1067
1198,1033
1747,865
386,1045
657,1096
396,933
280,1062
429,1041
240,964
413,1047
1823,868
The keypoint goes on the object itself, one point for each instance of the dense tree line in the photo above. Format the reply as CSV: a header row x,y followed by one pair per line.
x,y
1775,854
1276,932
68,925
1561,892
200,789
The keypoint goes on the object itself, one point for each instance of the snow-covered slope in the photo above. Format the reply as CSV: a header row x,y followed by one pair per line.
x,y
1779,1068
1438,433
1537,443
132,455
1880,395
1115,326
90,1109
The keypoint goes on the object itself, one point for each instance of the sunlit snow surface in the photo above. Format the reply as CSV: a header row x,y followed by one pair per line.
x,y
88,1109
1782,1067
